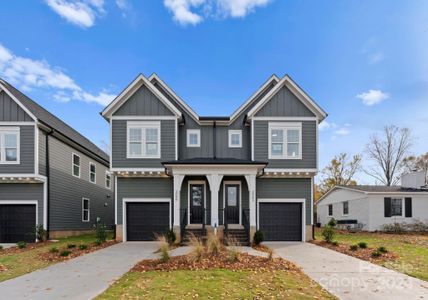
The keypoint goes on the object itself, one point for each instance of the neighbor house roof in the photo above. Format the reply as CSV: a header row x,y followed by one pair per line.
x,y
51,121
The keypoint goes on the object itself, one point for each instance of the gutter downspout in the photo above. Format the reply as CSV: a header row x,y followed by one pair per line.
x,y
48,181
215,140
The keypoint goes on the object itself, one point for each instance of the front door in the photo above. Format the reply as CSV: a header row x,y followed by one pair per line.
x,y
232,203
197,200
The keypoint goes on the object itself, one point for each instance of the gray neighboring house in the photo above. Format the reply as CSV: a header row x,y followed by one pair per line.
x,y
49,173
233,175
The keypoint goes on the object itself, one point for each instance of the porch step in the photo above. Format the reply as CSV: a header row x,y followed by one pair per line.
x,y
198,232
238,236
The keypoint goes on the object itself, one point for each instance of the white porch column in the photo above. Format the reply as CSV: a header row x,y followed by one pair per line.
x,y
251,182
214,180
178,180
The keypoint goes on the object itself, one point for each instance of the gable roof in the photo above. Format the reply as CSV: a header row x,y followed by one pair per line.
x,y
297,91
43,116
130,90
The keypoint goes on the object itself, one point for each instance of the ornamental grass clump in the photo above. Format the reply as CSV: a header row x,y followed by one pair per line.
x,y
233,250
197,248
163,248
213,244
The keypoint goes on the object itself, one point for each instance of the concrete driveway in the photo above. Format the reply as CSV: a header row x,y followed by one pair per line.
x,y
83,277
348,277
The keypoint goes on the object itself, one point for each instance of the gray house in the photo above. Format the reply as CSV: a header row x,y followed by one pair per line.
x,y
49,173
233,175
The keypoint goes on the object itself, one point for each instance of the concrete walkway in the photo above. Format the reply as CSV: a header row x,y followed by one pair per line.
x,y
83,277
350,278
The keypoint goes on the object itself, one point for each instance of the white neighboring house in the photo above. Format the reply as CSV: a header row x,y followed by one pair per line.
x,y
375,206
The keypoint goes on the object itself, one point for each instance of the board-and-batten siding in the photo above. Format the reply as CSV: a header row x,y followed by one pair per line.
x,y
23,192
309,147
119,136
142,188
283,188
10,111
26,152
66,190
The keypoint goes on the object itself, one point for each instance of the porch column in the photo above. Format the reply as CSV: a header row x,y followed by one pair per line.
x,y
214,181
251,182
178,180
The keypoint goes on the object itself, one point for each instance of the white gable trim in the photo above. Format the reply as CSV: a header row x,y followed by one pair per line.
x,y
297,91
130,90
2,87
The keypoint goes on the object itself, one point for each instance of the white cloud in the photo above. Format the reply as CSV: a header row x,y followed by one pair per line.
x,y
181,10
343,131
79,12
373,97
29,73
240,8
122,4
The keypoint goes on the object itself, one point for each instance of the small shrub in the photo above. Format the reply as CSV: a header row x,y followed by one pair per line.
x,y
213,244
170,237
53,250
362,245
258,237
83,247
65,253
98,243
22,245
41,233
100,232
353,247
270,254
328,234
376,253
163,248
394,228
1,247
332,222
382,249
71,246
197,248
335,243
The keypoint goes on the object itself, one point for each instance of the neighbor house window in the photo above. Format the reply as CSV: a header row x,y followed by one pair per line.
x,y
193,138
285,140
345,208
143,140
85,210
76,164
396,207
9,145
92,173
330,209
235,138
108,179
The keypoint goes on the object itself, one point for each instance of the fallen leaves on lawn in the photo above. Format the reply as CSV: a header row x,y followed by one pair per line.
x,y
30,246
2,268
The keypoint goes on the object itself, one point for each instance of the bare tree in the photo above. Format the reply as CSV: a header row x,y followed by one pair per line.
x,y
416,163
387,152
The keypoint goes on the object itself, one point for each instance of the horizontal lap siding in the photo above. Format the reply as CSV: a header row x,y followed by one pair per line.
x,y
142,188
284,188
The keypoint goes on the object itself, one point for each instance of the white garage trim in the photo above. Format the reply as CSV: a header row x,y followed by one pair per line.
x,y
24,202
142,200
285,200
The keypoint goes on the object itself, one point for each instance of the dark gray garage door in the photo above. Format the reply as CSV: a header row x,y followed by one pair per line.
x,y
17,223
145,220
281,221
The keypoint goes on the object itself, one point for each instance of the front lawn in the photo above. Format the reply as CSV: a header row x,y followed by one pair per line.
x,y
412,249
215,284
19,262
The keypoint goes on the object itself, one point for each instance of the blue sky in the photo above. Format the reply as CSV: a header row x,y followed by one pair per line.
x,y
364,62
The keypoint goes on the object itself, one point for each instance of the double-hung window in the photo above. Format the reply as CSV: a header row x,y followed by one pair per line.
x,y
75,160
9,145
330,210
85,210
108,179
345,211
396,207
285,140
92,173
143,139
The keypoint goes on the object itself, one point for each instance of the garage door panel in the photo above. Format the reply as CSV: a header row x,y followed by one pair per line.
x,y
281,221
146,219
17,223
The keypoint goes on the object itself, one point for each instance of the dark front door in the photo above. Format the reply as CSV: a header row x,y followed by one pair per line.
x,y
232,203
17,223
145,220
281,221
197,200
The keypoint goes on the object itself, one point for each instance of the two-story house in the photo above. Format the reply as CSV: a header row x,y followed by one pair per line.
x,y
251,171
49,173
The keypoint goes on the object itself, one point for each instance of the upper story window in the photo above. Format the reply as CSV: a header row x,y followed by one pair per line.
x,y
143,140
345,208
76,164
235,138
193,138
285,140
92,173
9,145
108,179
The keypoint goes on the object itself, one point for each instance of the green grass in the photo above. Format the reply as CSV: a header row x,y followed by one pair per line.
x,y
18,264
215,284
411,249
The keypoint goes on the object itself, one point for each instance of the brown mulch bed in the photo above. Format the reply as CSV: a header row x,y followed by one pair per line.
x,y
262,248
75,252
219,261
30,246
365,254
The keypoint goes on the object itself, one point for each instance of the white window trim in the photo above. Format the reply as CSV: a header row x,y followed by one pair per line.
x,y
72,164
142,125
95,173
343,208
108,186
328,210
232,132
88,209
10,130
193,131
403,207
284,126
